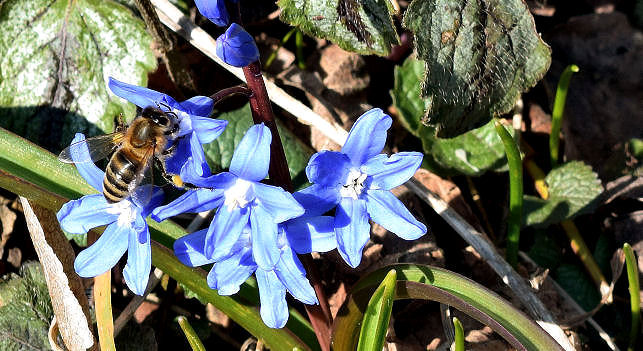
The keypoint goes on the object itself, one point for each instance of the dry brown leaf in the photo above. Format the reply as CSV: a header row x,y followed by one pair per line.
x,y
72,322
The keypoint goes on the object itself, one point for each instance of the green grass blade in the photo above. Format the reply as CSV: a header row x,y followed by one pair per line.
x,y
377,315
635,297
436,284
190,334
459,334
515,193
557,113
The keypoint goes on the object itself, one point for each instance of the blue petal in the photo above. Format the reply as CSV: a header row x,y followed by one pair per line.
x,y
311,234
192,201
208,129
279,204
293,277
104,253
367,137
272,295
352,229
90,211
219,181
214,10
226,276
264,239
174,163
198,106
389,172
199,164
328,168
139,262
251,158
386,210
236,47
157,198
88,170
139,96
224,231
317,199
189,249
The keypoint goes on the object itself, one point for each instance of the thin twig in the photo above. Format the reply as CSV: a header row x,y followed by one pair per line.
x,y
128,311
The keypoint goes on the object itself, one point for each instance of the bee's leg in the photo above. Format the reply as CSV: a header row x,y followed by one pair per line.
x,y
119,123
173,179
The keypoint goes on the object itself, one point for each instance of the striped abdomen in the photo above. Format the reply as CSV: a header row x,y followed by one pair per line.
x,y
121,172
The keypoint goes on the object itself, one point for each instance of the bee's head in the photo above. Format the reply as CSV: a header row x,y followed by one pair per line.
x,y
157,116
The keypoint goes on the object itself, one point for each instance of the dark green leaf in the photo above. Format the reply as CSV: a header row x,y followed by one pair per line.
x,y
578,285
219,152
56,59
362,26
574,189
479,57
378,315
471,153
25,310
545,251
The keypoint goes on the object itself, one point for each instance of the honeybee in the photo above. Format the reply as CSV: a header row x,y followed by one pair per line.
x,y
150,137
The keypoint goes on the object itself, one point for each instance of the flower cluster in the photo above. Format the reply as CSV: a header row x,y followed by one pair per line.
x,y
257,228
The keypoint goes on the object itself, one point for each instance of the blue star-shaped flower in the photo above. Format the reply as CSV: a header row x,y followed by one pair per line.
x,y
195,127
300,235
236,47
358,181
126,227
241,199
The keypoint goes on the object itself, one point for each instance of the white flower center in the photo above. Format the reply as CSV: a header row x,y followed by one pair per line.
x,y
125,211
239,195
185,122
354,184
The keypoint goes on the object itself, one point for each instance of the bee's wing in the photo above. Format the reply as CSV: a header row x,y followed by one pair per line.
x,y
142,188
99,148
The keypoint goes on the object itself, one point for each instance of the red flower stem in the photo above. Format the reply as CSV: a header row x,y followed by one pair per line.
x,y
319,315
231,91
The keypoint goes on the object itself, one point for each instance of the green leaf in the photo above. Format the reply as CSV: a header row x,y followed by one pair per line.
x,y
574,189
578,285
479,56
378,315
436,284
472,153
56,57
545,251
25,310
219,152
362,26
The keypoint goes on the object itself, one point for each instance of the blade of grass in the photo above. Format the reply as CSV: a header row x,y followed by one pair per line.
x,y
436,284
459,334
193,339
557,113
377,315
635,297
515,193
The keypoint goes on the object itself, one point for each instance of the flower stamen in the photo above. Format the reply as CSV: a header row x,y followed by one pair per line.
x,y
239,195
354,184
125,211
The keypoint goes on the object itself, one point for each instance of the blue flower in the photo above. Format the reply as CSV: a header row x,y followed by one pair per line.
x,y
195,127
300,235
126,227
215,11
236,47
358,181
241,199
